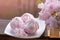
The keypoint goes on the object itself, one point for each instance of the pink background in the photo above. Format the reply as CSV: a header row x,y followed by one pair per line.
x,y
12,8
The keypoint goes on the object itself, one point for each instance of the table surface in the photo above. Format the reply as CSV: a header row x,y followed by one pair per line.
x,y
7,37
3,36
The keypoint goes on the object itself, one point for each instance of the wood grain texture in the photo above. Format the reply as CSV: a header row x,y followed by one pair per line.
x,y
12,8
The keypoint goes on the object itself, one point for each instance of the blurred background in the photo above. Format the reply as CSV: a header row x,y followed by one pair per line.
x,y
12,8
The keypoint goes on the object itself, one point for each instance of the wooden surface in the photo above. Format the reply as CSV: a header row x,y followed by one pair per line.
x,y
12,8
6,37
3,24
54,33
